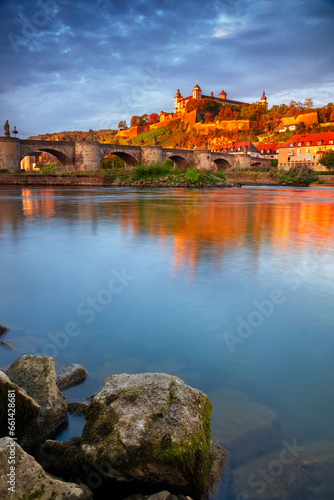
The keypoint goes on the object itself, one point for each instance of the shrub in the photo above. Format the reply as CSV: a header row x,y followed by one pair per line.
x,y
327,159
142,171
274,162
191,175
300,175
220,174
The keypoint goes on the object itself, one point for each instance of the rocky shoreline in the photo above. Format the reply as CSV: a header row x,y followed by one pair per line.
x,y
145,434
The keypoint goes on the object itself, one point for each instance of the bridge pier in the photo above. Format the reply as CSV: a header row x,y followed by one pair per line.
x,y
202,159
10,154
87,155
151,154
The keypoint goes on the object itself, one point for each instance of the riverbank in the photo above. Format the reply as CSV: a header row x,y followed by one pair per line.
x,y
233,178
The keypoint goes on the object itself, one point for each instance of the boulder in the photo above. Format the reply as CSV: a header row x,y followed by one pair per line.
x,y
37,376
25,408
293,472
78,408
30,480
71,375
247,429
3,330
146,430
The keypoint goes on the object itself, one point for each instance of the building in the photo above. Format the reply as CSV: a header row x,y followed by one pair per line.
x,y
180,102
305,149
268,150
245,147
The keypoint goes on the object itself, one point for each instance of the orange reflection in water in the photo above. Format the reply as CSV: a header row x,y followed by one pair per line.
x,y
38,204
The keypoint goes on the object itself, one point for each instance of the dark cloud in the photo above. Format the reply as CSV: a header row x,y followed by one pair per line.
x,y
70,64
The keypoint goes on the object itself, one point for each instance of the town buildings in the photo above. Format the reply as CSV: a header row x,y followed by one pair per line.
x,y
305,149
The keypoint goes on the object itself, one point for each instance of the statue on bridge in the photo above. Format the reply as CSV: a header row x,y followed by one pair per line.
x,y
6,128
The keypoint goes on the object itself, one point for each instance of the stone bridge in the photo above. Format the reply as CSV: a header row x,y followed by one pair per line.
x,y
87,155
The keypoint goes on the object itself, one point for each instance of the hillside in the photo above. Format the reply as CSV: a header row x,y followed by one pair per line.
x,y
220,127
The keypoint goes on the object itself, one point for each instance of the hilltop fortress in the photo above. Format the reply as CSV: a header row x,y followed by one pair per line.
x,y
180,102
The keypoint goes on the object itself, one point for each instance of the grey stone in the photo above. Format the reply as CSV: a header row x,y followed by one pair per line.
x,y
149,429
70,375
307,476
3,329
31,481
37,376
26,409
78,408
245,428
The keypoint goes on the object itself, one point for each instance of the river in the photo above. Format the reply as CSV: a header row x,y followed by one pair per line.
x,y
231,290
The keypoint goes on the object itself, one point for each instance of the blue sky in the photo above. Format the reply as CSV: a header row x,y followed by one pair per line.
x,y
76,65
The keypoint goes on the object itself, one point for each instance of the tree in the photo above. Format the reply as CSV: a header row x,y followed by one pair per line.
x,y
122,124
207,118
153,118
308,103
327,159
143,120
135,121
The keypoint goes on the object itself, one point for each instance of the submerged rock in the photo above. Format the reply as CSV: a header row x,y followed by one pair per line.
x,y
247,429
25,408
30,480
71,375
3,330
295,471
37,376
150,430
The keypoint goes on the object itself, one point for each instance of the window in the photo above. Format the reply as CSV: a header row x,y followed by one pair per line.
x,y
290,152
299,151
331,142
289,159
299,143
319,143
309,158
291,144
307,151
313,157
308,144
300,158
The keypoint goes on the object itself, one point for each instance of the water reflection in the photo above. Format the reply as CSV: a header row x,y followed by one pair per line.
x,y
199,224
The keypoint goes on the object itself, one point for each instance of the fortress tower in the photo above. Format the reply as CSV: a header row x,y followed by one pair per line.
x,y
264,100
197,92
177,101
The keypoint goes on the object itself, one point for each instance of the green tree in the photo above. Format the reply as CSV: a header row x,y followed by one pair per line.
x,y
327,159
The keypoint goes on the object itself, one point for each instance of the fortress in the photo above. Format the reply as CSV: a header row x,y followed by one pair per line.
x,y
180,102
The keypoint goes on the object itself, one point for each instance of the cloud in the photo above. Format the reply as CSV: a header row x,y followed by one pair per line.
x,y
77,64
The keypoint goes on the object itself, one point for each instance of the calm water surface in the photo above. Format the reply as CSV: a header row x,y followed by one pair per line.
x,y
231,290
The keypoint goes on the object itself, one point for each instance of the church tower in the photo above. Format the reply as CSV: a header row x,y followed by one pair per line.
x,y
177,101
197,92
264,100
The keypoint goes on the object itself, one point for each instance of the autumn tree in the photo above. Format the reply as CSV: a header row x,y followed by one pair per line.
x,y
135,121
122,124
153,118
207,118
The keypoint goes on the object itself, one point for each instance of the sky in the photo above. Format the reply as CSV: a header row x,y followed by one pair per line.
x,y
80,65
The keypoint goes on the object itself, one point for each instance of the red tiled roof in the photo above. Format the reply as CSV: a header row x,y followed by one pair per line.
x,y
267,147
249,145
325,137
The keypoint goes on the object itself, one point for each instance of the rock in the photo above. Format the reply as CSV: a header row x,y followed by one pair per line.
x,y
71,375
78,408
149,429
26,409
304,474
3,330
162,495
6,344
245,428
31,481
37,376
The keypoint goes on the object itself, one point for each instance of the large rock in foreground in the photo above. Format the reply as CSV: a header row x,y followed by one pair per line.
x,y
294,472
21,407
149,430
37,376
29,480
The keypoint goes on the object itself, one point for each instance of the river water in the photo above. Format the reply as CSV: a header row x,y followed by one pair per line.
x,y
231,290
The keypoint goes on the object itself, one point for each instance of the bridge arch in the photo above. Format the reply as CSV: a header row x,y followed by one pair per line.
x,y
65,160
179,161
129,160
222,163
